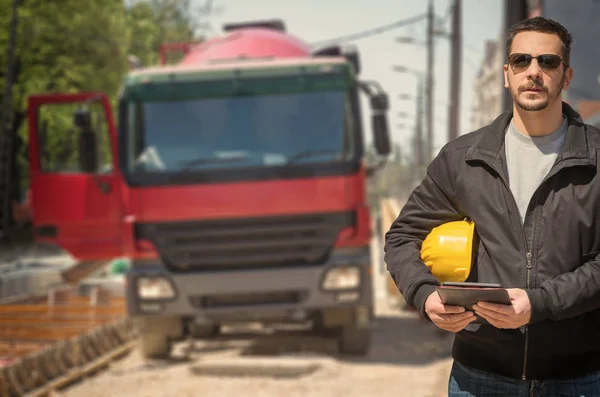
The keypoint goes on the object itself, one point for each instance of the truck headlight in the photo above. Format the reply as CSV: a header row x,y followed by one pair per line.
x,y
155,288
342,277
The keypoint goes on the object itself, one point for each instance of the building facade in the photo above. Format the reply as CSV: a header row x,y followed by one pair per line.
x,y
488,87
581,19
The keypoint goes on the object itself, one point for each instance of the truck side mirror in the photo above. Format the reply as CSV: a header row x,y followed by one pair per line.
x,y
381,137
87,142
380,103
379,107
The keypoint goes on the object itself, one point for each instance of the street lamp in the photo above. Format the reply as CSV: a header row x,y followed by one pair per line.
x,y
410,40
420,158
408,97
404,69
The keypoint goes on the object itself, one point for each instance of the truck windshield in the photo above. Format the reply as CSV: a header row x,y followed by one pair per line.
x,y
242,131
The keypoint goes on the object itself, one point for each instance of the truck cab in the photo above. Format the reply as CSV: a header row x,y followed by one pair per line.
x,y
234,181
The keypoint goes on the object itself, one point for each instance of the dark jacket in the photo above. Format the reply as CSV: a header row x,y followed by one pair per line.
x,y
554,255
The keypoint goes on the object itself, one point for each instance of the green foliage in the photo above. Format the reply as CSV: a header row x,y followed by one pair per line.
x,y
154,22
68,46
63,46
144,33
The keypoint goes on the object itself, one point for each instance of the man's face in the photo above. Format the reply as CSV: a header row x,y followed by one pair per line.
x,y
535,87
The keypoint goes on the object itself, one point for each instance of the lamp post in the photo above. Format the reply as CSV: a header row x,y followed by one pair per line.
x,y
420,159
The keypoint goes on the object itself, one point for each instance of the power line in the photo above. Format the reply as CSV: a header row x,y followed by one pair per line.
x,y
472,48
446,17
371,32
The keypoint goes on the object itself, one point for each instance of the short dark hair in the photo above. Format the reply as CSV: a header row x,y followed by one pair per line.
x,y
542,25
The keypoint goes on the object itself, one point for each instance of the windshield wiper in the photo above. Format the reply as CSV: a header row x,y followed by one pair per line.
x,y
311,153
189,165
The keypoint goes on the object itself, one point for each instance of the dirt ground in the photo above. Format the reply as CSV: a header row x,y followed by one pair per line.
x,y
409,357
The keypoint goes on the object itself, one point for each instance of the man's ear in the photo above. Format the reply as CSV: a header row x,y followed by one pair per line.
x,y
568,78
505,76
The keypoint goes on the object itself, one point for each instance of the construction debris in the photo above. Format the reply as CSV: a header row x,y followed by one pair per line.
x,y
66,336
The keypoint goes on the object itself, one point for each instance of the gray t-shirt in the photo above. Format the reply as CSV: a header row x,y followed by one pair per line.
x,y
529,160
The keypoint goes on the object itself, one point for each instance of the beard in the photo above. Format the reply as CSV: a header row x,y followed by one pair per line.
x,y
544,97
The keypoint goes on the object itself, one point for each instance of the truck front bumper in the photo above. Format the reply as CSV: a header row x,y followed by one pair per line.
x,y
291,293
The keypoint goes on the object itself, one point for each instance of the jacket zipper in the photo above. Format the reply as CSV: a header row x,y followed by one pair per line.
x,y
529,267
524,375
553,171
527,257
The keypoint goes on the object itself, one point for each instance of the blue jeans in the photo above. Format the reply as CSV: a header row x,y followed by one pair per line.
x,y
468,382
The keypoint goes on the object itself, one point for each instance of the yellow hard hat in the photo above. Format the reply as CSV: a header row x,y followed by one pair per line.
x,y
448,250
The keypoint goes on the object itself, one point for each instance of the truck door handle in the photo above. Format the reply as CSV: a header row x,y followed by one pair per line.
x,y
104,186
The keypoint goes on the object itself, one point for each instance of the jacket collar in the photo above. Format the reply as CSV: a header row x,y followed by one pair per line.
x,y
489,146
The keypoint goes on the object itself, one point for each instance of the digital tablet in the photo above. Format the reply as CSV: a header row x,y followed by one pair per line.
x,y
468,294
471,285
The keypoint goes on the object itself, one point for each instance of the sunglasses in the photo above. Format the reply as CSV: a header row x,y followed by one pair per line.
x,y
520,62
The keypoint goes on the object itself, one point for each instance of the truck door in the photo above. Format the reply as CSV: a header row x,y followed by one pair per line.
x,y
74,174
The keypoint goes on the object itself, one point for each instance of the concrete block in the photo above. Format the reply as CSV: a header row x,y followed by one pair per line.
x,y
256,367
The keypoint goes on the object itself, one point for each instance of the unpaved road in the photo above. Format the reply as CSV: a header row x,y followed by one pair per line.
x,y
409,358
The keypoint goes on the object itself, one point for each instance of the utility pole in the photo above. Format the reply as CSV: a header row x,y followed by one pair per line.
x,y
420,163
455,71
429,95
6,132
514,11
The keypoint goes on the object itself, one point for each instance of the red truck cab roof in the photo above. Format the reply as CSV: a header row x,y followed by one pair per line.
x,y
248,43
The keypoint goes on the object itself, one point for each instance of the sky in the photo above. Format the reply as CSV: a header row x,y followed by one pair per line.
x,y
316,20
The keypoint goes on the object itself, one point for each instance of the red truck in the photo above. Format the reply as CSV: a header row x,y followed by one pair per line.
x,y
234,181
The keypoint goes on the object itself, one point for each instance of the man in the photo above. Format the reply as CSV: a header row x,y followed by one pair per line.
x,y
530,183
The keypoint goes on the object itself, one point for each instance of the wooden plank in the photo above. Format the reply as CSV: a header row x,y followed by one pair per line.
x,y
21,349
48,334
27,318
25,345
89,300
56,322
78,373
43,309
389,212
47,325
78,300
118,301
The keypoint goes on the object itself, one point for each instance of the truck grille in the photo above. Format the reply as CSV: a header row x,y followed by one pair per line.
x,y
247,299
248,243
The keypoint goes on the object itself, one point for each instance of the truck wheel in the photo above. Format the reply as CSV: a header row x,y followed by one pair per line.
x,y
156,346
318,323
354,341
157,335
204,331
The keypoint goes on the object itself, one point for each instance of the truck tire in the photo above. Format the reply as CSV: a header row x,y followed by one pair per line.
x,y
354,341
318,323
156,346
198,331
157,334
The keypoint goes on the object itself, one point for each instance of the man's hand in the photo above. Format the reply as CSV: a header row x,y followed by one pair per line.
x,y
507,316
448,318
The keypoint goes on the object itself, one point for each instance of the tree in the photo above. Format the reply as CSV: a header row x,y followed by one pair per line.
x,y
65,46
144,32
75,46
156,22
